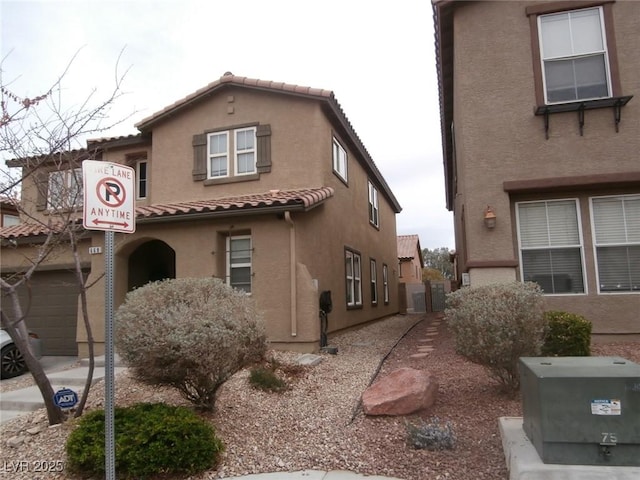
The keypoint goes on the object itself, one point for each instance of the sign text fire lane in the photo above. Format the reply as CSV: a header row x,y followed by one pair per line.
x,y
109,196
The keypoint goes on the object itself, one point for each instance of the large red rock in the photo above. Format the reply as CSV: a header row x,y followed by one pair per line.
x,y
402,392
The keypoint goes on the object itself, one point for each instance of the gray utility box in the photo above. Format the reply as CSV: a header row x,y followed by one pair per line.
x,y
582,410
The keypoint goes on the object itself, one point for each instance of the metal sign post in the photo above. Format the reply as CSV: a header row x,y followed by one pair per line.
x,y
109,205
109,416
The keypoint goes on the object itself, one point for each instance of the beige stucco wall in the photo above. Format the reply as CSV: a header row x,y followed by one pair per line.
x,y
410,270
498,138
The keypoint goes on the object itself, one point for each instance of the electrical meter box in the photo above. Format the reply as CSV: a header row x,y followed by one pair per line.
x,y
582,410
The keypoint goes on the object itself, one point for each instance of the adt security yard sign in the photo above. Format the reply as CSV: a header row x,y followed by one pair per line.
x,y
109,197
65,398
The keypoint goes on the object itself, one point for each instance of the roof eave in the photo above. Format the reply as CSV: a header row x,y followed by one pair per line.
x,y
240,212
443,26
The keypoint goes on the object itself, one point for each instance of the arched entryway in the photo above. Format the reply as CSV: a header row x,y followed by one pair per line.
x,y
151,261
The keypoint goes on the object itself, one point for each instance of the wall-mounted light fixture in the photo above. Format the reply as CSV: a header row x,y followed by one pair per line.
x,y
489,218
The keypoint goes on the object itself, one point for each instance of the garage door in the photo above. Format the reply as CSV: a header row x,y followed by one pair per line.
x,y
53,312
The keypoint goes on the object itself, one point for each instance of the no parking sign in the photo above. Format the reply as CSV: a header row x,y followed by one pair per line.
x,y
109,197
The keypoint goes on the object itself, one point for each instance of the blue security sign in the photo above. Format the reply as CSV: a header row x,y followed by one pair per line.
x,y
65,398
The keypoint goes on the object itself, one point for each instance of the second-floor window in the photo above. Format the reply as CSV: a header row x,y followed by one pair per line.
x,y
374,213
65,189
339,160
141,177
240,145
245,152
574,55
218,148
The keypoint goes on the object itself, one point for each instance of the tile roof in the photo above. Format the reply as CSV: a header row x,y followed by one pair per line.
x,y
327,98
302,199
408,245
28,230
230,79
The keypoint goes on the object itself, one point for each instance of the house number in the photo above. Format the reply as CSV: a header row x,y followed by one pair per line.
x,y
609,438
95,250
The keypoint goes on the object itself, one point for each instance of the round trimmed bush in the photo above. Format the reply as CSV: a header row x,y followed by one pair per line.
x,y
190,333
567,334
150,438
495,325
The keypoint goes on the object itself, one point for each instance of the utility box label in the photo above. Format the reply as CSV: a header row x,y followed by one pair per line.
x,y
606,407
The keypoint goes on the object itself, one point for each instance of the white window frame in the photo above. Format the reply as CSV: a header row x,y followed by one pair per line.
x,y
230,265
217,155
142,181
374,209
353,279
551,245
245,151
9,220
574,56
70,194
385,283
631,238
374,281
340,160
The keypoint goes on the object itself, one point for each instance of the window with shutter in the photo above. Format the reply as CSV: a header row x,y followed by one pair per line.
x,y
551,245
616,234
235,154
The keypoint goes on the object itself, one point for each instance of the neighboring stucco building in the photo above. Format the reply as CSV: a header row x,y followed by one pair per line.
x,y
412,291
263,184
9,214
541,142
410,261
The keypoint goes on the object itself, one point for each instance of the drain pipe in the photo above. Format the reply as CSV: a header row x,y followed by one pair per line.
x,y
292,273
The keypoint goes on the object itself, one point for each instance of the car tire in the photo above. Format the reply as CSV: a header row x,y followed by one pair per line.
x,y
12,363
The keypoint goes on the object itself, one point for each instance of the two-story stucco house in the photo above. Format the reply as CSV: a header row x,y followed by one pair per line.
x,y
263,184
540,121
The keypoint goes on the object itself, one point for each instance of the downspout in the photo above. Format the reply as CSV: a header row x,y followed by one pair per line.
x,y
292,273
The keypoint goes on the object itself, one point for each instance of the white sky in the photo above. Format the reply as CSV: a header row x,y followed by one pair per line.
x,y
378,58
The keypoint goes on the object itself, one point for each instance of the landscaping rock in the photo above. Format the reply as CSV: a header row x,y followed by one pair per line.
x,y
402,392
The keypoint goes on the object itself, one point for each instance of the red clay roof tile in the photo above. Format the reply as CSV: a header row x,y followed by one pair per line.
x,y
304,199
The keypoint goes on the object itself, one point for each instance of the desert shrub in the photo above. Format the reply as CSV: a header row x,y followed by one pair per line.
x,y
191,334
266,379
431,435
149,439
566,334
495,325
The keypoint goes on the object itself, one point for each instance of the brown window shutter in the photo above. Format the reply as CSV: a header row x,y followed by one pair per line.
x,y
199,157
263,137
41,180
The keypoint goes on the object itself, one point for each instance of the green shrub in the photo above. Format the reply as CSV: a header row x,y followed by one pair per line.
x,y
149,439
567,334
191,334
266,379
495,325
432,435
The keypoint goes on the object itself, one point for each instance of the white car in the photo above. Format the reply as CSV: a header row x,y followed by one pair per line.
x,y
11,362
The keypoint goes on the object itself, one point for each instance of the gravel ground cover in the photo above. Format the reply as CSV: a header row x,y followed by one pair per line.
x,y
318,423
